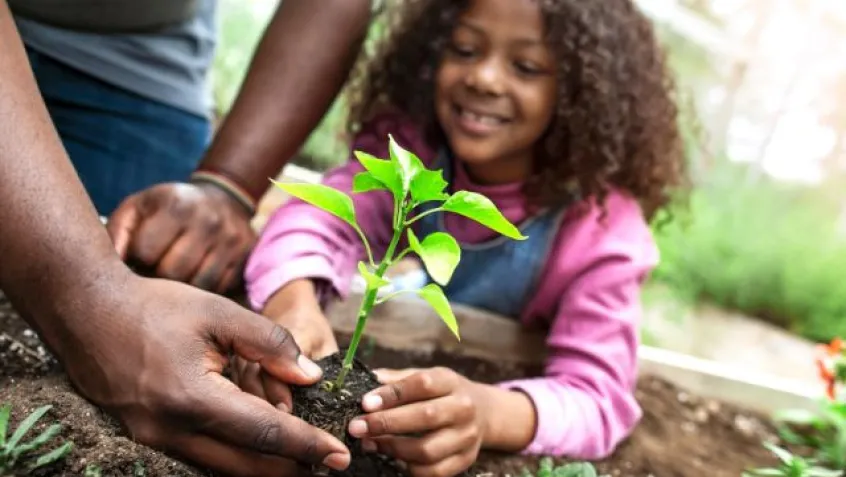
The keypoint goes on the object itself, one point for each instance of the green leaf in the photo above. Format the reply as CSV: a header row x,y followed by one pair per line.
x,y
783,455
764,473
433,294
481,209
5,411
403,163
382,171
365,182
796,416
576,469
373,282
55,455
39,441
27,424
440,254
427,185
331,200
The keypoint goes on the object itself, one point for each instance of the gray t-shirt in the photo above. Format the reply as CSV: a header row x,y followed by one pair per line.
x,y
170,66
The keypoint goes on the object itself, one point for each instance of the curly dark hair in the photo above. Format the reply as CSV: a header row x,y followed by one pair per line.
x,y
616,124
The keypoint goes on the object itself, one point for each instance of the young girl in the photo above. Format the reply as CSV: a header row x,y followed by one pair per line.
x,y
561,112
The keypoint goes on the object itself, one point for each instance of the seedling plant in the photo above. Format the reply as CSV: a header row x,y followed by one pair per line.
x,y
791,466
410,184
548,469
18,457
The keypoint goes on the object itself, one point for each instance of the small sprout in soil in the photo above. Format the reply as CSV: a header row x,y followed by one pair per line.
x,y
792,466
410,184
576,469
93,470
17,457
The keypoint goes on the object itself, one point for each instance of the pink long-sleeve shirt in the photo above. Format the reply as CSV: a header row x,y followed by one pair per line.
x,y
588,295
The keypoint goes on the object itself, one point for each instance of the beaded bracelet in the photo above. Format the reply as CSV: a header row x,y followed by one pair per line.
x,y
227,185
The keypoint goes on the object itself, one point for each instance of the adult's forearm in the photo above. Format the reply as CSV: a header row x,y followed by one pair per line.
x,y
299,67
51,243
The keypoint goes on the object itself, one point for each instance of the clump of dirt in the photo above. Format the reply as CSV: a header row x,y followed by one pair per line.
x,y
332,411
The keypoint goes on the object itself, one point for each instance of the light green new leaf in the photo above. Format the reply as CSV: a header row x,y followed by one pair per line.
x,y
440,254
382,171
5,411
373,282
427,184
481,209
435,296
331,200
366,182
404,164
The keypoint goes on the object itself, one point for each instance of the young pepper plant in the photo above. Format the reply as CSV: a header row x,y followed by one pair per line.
x,y
410,184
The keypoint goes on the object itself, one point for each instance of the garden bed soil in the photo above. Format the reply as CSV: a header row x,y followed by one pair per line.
x,y
680,434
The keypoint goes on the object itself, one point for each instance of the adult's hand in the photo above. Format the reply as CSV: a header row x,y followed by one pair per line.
x,y
191,233
151,352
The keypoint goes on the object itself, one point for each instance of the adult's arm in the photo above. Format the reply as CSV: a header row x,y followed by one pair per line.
x,y
200,234
149,351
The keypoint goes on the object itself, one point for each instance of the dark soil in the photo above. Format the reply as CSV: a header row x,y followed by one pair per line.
x,y
332,411
680,434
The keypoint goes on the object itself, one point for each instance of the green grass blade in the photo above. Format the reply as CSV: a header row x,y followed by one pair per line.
x,y
55,455
27,424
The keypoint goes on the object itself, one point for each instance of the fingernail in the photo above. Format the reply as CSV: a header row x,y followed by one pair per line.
x,y
358,428
372,402
309,367
283,407
368,446
337,461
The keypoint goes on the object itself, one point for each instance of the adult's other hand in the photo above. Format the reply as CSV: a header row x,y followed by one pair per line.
x,y
191,233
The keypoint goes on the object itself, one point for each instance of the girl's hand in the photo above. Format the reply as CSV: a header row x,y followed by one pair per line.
x,y
296,309
433,420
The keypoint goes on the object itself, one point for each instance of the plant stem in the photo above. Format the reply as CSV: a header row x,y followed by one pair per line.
x,y
363,312
366,245
424,214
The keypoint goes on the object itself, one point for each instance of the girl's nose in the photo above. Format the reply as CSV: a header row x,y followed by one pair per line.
x,y
486,78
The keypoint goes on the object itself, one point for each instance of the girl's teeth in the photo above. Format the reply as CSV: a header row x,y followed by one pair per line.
x,y
482,119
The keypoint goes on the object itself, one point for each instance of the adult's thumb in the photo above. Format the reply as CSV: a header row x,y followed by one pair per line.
x,y
257,339
122,225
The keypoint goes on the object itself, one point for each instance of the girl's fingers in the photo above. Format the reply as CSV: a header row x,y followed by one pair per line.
x,y
420,386
388,376
428,450
413,418
276,392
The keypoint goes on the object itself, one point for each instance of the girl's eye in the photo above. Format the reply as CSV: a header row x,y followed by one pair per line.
x,y
463,51
528,68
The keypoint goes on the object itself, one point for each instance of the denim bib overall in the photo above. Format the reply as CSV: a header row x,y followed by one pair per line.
x,y
500,275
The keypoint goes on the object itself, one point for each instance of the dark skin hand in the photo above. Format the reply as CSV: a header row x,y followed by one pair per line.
x,y
148,351
198,234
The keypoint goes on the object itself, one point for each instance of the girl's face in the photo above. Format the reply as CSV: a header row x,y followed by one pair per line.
x,y
496,89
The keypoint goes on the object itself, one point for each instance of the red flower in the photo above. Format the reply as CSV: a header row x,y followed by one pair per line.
x,y
825,365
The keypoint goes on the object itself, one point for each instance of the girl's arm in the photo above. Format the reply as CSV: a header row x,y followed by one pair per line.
x,y
585,404
302,241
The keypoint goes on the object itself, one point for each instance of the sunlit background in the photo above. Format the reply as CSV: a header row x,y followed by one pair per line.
x,y
763,87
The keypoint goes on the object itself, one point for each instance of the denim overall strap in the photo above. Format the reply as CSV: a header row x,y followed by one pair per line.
x,y
499,275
